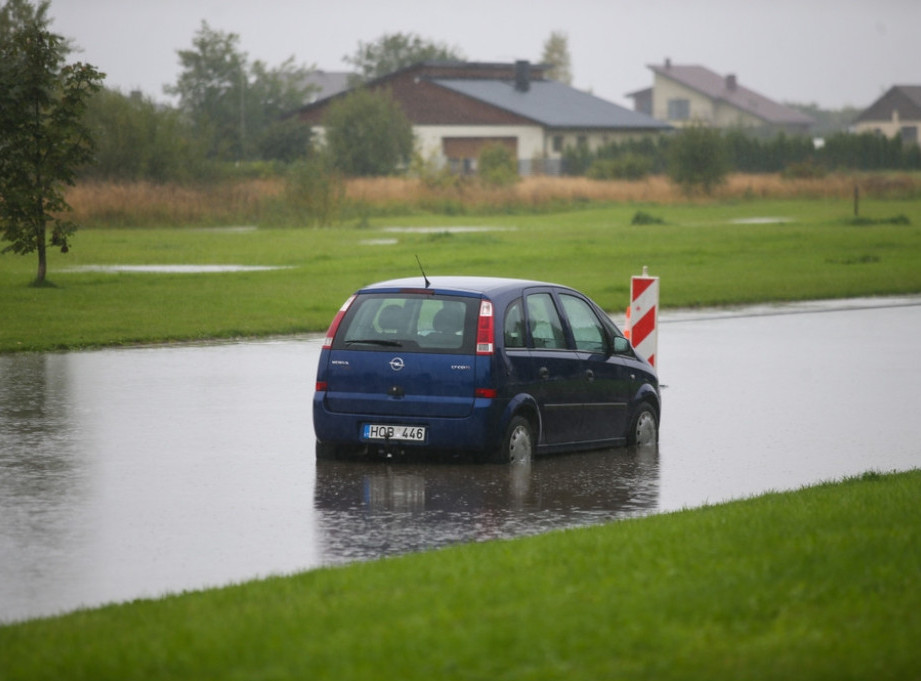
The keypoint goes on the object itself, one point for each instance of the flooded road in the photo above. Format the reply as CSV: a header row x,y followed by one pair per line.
x,y
137,472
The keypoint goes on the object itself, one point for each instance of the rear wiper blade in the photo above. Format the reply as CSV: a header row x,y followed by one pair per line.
x,y
375,341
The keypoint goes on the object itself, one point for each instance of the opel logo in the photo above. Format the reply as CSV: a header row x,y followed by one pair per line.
x,y
396,363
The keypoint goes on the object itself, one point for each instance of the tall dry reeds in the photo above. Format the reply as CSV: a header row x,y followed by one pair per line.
x,y
144,204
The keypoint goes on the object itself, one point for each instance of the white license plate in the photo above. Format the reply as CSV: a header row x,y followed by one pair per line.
x,y
373,431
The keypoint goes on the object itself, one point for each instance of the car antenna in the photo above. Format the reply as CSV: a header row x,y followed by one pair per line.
x,y
421,269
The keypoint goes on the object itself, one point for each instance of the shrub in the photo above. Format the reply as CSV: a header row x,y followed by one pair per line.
x,y
497,166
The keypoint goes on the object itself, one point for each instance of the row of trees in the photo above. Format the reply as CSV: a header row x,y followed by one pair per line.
x,y
719,152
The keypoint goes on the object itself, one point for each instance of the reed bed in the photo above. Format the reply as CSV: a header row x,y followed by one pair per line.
x,y
255,201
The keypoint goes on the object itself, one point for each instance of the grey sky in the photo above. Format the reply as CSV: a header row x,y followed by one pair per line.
x,y
831,52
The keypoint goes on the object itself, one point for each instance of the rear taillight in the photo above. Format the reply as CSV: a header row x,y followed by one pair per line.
x,y
485,330
331,333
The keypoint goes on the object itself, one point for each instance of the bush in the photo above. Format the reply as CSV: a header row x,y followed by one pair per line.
x,y
630,166
698,159
497,166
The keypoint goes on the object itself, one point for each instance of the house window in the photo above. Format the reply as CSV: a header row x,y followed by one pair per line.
x,y
679,109
582,141
558,143
910,134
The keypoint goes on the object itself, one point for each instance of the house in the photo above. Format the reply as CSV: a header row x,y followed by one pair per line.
x,y
685,95
327,83
896,113
458,108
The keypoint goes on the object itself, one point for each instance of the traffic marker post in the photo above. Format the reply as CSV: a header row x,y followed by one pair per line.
x,y
643,315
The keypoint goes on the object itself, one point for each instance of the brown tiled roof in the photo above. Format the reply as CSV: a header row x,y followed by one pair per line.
x,y
729,90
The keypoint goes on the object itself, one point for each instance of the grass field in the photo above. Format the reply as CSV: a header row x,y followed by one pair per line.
x,y
706,253
821,583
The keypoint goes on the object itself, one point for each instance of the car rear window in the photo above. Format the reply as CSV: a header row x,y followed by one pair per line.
x,y
410,322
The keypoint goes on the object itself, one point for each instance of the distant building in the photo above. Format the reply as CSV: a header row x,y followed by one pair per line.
x,y
327,83
896,113
458,108
684,95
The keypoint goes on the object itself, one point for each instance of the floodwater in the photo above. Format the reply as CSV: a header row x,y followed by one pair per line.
x,y
138,472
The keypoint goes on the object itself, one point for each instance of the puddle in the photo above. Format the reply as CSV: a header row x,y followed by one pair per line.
x,y
450,230
760,221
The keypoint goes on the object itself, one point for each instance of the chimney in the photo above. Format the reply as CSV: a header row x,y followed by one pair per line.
x,y
522,75
668,63
731,82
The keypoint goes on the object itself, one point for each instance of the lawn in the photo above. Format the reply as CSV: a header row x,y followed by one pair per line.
x,y
820,583
731,252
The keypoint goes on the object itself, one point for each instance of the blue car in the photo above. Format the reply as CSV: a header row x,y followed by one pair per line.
x,y
503,369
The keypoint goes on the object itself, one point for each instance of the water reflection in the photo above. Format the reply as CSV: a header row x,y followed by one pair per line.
x,y
366,510
43,477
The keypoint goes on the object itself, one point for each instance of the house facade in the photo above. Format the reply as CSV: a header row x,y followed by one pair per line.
x,y
458,108
896,114
689,95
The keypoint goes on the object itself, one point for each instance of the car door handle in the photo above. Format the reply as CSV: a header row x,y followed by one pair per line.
x,y
543,373
589,375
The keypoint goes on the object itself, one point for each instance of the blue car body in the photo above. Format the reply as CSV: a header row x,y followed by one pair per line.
x,y
447,365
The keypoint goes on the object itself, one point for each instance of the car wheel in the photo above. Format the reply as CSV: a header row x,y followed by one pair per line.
x,y
518,443
644,430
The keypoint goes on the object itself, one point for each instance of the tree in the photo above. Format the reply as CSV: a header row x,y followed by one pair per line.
x,y
231,103
138,139
43,139
394,51
556,53
368,134
698,159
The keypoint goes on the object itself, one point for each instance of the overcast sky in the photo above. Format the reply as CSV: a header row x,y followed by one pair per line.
x,y
834,53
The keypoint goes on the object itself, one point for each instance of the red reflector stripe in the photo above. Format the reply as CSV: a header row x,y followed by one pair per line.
x,y
485,392
321,386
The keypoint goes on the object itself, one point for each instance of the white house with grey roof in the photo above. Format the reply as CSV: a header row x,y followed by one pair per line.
x,y
458,108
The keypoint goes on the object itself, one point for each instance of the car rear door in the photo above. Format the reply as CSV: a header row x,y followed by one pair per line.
x,y
555,369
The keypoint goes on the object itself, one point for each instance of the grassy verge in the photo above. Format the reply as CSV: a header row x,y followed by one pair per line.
x,y
703,254
823,582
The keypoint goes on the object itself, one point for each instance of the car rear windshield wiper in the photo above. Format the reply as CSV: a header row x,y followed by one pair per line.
x,y
374,341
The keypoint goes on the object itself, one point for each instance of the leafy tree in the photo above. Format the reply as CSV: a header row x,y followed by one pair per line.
x,y
43,139
137,139
394,51
697,159
556,53
231,103
368,134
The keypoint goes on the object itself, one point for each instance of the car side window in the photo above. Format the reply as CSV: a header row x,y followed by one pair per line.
x,y
544,322
514,326
586,328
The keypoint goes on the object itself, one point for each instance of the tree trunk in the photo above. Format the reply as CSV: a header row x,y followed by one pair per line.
x,y
42,257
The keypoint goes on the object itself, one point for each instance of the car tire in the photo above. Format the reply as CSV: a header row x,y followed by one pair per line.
x,y
644,428
518,444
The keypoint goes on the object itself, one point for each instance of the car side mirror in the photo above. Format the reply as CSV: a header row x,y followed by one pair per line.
x,y
622,346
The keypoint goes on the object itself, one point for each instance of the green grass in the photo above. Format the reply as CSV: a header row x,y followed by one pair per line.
x,y
700,255
821,583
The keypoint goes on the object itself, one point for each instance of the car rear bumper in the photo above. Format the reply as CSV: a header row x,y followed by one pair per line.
x,y
478,431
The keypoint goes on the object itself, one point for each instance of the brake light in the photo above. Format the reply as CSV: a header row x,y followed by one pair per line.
x,y
331,333
485,330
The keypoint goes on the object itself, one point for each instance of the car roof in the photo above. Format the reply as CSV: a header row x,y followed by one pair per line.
x,y
460,284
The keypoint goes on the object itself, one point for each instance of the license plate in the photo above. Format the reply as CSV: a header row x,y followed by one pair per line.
x,y
374,431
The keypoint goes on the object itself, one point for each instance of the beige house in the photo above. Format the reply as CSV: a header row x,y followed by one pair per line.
x,y
685,95
896,114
